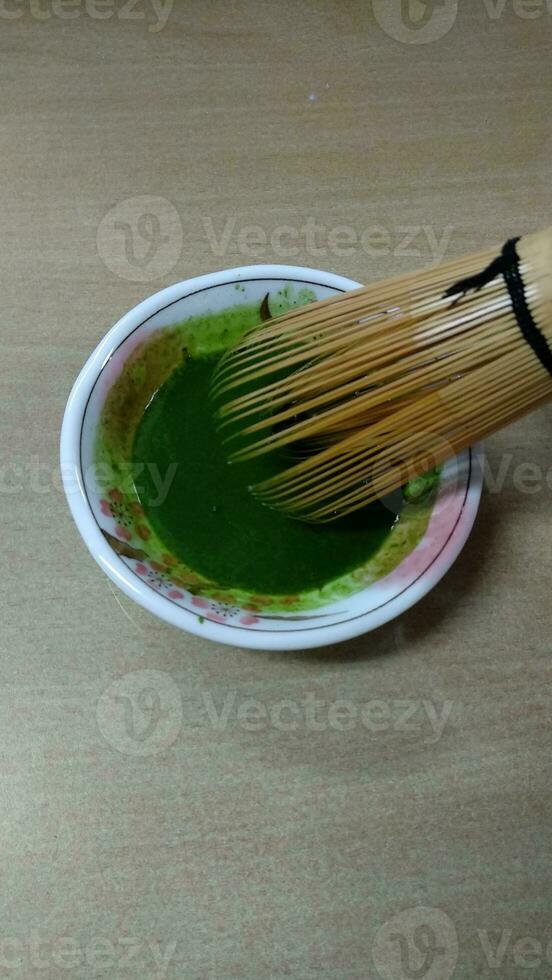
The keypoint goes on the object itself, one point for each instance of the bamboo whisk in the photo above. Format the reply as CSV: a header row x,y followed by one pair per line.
x,y
372,387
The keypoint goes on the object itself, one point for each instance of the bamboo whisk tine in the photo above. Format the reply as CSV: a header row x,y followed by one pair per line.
x,y
375,386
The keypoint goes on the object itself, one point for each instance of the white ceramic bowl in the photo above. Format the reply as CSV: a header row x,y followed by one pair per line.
x,y
450,522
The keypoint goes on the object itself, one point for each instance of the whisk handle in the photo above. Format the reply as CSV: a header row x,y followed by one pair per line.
x,y
535,253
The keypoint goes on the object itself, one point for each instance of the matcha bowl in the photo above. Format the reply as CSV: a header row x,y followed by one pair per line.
x,y
119,497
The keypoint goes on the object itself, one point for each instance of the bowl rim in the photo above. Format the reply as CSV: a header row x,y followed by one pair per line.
x,y
118,571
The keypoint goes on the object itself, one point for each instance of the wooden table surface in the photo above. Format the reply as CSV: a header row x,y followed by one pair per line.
x,y
148,828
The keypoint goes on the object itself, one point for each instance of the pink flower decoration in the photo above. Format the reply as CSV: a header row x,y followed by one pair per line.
x,y
215,618
141,569
105,508
175,594
248,620
122,533
198,601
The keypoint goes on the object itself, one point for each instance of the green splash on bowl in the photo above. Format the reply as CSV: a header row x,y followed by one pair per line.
x,y
178,504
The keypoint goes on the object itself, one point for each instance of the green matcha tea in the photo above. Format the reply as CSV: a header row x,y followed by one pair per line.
x,y
209,517
206,531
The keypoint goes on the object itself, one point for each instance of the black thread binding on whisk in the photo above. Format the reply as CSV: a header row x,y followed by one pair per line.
x,y
507,265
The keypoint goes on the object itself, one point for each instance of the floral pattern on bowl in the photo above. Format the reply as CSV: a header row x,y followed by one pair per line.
x,y
417,552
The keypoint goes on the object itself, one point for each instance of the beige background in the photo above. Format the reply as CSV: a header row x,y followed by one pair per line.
x,y
266,853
